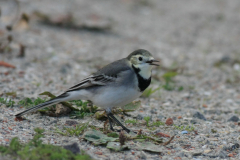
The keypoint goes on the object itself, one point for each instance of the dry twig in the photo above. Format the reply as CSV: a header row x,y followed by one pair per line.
x,y
169,141
122,138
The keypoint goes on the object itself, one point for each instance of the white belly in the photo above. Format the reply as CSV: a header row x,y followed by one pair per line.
x,y
115,97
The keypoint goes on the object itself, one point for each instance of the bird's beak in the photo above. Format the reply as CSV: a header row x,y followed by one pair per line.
x,y
151,62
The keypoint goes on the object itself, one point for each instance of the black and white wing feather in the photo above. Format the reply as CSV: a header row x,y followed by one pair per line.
x,y
99,80
102,77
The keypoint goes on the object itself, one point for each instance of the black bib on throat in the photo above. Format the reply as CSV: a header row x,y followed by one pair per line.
x,y
142,83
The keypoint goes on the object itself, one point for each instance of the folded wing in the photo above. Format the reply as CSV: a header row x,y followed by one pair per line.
x,y
93,80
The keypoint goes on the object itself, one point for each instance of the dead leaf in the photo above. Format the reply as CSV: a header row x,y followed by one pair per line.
x,y
48,94
97,137
22,23
69,22
19,119
116,146
132,106
149,146
13,94
98,153
61,109
100,115
162,134
5,64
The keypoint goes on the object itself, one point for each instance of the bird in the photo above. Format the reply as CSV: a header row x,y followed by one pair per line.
x,y
114,85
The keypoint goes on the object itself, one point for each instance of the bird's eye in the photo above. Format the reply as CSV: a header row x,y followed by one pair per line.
x,y
140,58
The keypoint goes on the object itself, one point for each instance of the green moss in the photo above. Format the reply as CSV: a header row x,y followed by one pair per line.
x,y
35,150
158,123
147,119
113,134
133,121
79,129
27,102
148,92
7,102
169,82
85,109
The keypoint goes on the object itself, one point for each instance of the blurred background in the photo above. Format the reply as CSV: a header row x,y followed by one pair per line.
x,y
50,45
68,39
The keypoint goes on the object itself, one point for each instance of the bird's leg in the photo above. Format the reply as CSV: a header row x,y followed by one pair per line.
x,y
112,119
110,122
116,120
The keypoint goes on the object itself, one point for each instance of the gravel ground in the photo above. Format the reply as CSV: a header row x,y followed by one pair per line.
x,y
192,35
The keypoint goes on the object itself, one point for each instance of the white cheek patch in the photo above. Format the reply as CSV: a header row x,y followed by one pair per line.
x,y
145,70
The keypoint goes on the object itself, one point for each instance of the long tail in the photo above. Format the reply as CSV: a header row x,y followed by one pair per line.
x,y
62,97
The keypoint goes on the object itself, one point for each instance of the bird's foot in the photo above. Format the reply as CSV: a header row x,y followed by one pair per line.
x,y
119,130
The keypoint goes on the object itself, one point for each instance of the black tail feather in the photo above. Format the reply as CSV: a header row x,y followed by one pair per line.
x,y
42,105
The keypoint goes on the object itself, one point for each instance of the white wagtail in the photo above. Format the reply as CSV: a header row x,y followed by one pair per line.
x,y
115,85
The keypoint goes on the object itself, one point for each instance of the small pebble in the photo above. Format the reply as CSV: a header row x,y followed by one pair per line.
x,y
199,116
234,119
184,132
169,121
74,148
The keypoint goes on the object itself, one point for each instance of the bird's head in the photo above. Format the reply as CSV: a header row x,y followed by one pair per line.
x,y
143,61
